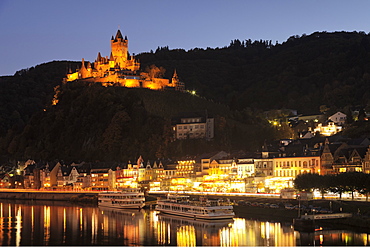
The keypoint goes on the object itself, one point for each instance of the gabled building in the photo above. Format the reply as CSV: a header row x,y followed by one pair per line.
x,y
327,157
366,161
338,118
349,158
49,175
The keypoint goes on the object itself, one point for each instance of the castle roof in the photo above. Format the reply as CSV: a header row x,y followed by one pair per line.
x,y
118,35
99,57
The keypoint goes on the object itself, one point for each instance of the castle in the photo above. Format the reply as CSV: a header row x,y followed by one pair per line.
x,y
120,69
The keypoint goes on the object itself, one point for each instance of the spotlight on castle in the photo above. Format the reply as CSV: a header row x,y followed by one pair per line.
x,y
121,69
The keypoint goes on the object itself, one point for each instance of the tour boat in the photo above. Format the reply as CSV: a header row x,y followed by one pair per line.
x,y
203,208
126,198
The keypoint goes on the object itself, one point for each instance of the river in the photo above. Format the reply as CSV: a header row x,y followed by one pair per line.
x,y
61,223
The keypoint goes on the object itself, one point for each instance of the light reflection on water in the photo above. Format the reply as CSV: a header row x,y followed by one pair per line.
x,y
60,223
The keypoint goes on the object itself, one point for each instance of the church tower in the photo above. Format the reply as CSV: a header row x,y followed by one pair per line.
x,y
119,49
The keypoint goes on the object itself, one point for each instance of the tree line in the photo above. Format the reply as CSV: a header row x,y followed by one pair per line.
x,y
349,182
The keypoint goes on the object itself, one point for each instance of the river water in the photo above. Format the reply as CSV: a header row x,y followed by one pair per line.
x,y
61,223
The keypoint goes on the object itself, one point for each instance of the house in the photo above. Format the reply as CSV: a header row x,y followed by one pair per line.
x,y
349,158
49,175
327,157
263,162
102,179
6,181
366,161
204,160
31,176
245,167
83,180
338,118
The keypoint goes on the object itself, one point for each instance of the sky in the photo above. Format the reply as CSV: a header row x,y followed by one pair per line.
x,y
39,31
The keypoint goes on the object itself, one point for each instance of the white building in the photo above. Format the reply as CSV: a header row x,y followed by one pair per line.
x,y
338,118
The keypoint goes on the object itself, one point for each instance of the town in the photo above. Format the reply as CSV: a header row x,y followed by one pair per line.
x,y
269,170
314,146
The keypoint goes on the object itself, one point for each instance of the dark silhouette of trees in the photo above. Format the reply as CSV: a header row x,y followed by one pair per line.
x,y
343,182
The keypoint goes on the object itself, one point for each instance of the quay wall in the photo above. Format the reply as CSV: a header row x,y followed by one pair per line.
x,y
49,195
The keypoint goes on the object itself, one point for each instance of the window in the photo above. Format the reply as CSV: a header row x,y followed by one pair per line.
x,y
180,127
304,164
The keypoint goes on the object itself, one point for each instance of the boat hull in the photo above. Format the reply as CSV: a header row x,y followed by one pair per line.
x,y
128,198
122,206
197,216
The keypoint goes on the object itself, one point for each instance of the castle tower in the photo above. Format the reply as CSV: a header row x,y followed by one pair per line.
x,y
119,49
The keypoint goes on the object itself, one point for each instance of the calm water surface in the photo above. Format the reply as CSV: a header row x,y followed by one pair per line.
x,y
60,223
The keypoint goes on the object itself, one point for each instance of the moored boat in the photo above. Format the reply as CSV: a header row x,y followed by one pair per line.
x,y
126,198
204,208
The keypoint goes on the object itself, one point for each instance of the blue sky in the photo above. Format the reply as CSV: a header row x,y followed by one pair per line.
x,y
38,31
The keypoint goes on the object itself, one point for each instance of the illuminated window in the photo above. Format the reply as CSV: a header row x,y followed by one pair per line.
x,y
304,164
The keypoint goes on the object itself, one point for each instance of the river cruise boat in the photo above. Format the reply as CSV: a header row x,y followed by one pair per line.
x,y
126,198
205,209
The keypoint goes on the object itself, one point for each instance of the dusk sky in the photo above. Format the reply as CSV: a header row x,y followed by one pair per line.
x,y
39,31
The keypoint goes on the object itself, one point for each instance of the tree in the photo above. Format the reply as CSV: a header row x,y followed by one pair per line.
x,y
155,72
363,182
305,182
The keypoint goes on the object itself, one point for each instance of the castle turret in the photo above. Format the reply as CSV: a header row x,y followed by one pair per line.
x,y
119,49
84,72
111,61
98,59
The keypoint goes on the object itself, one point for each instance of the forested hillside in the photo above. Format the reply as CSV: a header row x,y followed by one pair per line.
x,y
95,123
235,84
303,73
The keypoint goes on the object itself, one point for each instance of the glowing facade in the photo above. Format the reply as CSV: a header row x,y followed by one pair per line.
x,y
120,69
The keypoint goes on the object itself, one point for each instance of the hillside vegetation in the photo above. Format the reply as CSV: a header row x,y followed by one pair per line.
x,y
303,73
95,123
234,84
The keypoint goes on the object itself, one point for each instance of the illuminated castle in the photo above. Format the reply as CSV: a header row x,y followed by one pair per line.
x,y
122,70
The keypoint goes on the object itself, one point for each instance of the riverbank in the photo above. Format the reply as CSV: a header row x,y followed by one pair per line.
x,y
258,209
72,196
